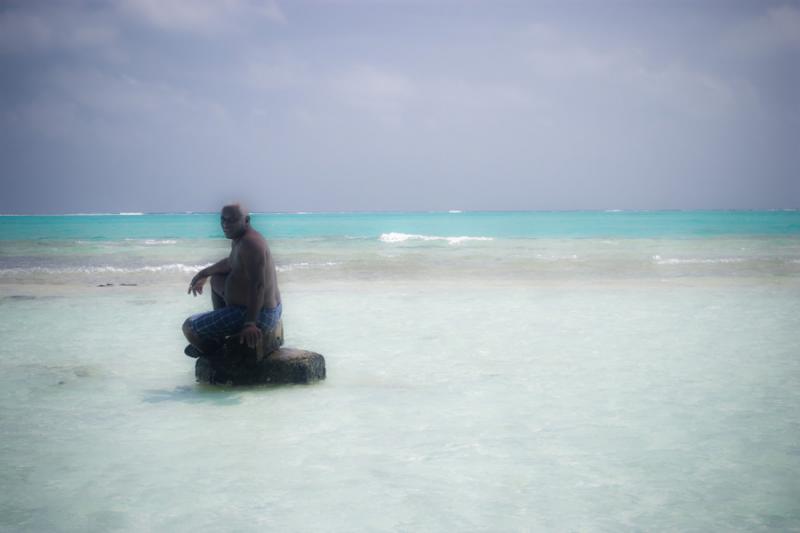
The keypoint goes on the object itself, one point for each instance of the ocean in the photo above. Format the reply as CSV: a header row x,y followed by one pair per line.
x,y
487,371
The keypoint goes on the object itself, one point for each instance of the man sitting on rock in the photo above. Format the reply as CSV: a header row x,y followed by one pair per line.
x,y
244,290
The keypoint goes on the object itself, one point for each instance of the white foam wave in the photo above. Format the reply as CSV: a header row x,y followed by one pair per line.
x,y
103,269
395,237
547,257
454,211
171,268
131,213
304,266
696,260
150,242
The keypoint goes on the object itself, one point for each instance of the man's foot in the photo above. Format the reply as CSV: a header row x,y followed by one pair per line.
x,y
192,351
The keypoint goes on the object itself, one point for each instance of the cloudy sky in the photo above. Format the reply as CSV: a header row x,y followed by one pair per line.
x,y
176,105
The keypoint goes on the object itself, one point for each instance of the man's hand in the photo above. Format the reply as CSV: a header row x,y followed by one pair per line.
x,y
196,285
250,334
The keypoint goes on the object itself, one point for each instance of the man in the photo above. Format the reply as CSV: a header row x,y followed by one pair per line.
x,y
244,290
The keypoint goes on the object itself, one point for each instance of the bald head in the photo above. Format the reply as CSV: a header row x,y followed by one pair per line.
x,y
235,220
236,209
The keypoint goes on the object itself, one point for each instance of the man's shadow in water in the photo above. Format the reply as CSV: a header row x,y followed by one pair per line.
x,y
195,394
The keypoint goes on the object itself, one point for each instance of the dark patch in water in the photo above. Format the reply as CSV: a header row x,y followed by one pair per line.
x,y
142,302
198,394
27,298
83,371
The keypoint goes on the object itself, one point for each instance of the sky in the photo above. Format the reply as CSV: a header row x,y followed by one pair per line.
x,y
183,105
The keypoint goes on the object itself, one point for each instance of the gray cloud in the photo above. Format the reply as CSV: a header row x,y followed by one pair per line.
x,y
778,28
201,16
142,105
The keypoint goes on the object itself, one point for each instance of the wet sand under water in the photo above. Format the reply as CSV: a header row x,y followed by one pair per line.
x,y
449,405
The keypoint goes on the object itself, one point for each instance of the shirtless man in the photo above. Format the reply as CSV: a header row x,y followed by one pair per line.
x,y
244,290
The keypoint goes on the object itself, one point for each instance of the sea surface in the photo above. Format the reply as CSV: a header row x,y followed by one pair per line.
x,y
487,371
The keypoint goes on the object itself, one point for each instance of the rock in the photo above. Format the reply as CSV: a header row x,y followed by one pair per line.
x,y
285,365
238,364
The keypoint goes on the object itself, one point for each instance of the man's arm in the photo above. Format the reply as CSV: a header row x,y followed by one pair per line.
x,y
220,267
223,266
253,258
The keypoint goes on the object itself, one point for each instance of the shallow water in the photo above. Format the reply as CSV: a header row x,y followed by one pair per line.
x,y
618,394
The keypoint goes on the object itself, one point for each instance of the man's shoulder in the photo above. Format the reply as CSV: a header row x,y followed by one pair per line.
x,y
253,240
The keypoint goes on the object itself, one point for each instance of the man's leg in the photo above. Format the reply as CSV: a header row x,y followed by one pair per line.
x,y
206,347
218,290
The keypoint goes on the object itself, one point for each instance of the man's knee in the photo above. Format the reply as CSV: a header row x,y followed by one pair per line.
x,y
188,331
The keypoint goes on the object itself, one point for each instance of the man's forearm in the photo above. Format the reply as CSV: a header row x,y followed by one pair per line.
x,y
255,300
220,267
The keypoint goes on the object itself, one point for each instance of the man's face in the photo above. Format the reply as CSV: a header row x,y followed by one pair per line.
x,y
233,222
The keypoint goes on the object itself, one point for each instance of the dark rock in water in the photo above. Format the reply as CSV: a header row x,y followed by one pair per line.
x,y
238,364
285,365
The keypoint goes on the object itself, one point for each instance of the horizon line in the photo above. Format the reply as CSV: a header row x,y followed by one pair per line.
x,y
422,211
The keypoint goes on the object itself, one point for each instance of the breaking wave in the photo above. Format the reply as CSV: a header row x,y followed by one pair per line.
x,y
394,237
103,269
172,268
696,261
304,266
150,242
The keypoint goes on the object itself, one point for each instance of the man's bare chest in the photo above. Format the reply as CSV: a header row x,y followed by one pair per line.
x,y
235,260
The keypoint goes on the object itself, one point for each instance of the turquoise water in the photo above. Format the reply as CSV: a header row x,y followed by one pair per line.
x,y
509,246
570,224
596,371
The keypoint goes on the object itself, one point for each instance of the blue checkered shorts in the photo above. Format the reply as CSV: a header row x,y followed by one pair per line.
x,y
226,321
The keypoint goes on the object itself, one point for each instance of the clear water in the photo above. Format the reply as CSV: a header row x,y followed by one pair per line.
x,y
553,371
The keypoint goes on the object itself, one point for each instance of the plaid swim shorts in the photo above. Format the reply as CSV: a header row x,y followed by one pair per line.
x,y
226,321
